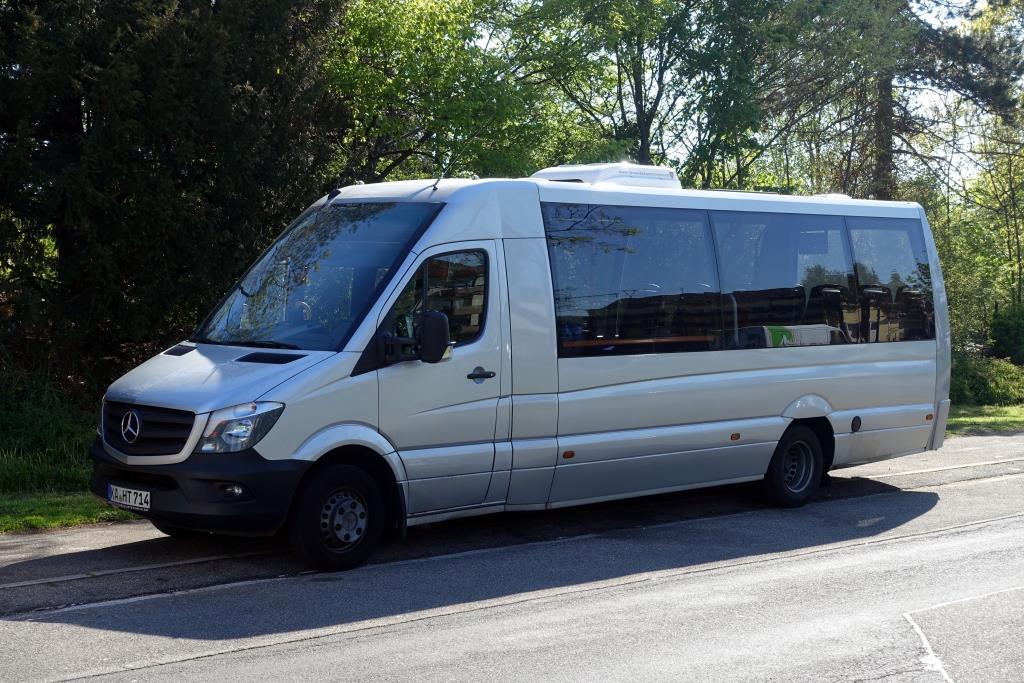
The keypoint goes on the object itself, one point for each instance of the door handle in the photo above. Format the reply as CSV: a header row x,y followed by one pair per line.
x,y
479,374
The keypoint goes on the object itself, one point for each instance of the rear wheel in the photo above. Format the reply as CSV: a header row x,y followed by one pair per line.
x,y
795,471
338,518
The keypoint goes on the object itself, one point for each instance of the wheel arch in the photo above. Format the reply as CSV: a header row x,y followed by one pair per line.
x,y
808,406
365,448
812,410
822,428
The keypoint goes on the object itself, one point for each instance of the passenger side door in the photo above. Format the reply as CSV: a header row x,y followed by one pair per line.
x,y
441,416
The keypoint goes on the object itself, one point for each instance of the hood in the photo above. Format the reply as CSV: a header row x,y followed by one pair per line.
x,y
204,377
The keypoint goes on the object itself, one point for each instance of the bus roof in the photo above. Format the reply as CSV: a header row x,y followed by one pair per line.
x,y
472,191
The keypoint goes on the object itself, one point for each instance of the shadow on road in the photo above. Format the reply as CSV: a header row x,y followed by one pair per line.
x,y
150,550
666,532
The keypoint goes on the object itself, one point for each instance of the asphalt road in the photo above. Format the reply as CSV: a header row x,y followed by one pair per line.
x,y
912,569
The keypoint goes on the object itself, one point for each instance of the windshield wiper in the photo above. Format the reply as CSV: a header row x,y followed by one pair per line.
x,y
266,344
259,343
207,340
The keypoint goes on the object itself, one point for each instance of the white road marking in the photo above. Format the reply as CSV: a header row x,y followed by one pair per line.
x,y
491,549
33,616
973,597
966,482
930,660
139,568
948,467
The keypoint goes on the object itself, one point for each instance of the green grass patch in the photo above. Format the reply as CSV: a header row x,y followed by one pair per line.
x,y
37,511
62,467
965,420
47,422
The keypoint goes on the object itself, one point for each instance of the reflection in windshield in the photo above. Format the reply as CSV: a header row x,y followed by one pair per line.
x,y
312,286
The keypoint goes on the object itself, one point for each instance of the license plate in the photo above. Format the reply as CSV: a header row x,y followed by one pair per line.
x,y
128,498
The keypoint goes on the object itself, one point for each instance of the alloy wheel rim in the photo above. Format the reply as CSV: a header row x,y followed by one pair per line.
x,y
343,520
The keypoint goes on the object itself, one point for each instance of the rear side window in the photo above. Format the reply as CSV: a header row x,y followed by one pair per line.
x,y
895,284
632,280
787,279
635,280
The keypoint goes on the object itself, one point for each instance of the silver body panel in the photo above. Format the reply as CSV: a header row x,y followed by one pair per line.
x,y
635,424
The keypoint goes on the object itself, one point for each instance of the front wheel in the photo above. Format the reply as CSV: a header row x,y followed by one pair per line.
x,y
338,518
795,471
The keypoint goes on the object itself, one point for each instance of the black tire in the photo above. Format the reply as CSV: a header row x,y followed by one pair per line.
x,y
176,531
338,518
795,472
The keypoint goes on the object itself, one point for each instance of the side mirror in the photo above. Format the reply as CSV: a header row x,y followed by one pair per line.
x,y
434,337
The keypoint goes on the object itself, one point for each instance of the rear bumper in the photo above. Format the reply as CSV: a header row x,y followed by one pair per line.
x,y
191,494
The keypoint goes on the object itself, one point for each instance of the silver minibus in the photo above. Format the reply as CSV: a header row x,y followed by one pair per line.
x,y
409,352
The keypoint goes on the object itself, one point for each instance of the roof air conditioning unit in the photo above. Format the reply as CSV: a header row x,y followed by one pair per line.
x,y
622,173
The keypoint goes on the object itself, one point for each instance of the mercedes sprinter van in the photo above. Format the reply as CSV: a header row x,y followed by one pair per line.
x,y
414,351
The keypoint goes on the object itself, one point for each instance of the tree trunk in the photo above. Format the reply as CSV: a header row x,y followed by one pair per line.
x,y
883,172
72,296
643,152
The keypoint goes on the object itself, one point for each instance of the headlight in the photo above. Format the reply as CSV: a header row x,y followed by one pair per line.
x,y
234,429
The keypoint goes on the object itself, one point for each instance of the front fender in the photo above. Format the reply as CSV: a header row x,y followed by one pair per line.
x,y
351,434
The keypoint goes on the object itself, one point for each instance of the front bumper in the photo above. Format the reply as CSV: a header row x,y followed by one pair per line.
x,y
191,494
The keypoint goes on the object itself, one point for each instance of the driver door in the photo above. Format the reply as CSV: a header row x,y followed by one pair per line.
x,y
441,416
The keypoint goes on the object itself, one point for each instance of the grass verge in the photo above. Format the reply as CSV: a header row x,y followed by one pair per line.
x,y
35,511
965,420
63,466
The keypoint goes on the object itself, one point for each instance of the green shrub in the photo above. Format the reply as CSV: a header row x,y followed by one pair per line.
x,y
45,430
987,381
1008,334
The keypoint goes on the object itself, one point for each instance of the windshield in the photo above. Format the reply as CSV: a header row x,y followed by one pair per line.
x,y
315,283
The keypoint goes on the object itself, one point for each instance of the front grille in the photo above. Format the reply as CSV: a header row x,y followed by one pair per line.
x,y
162,431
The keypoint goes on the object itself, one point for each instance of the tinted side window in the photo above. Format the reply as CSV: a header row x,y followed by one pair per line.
x,y
787,279
895,284
454,284
457,286
632,280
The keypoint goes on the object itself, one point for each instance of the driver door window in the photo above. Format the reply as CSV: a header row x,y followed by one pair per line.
x,y
454,284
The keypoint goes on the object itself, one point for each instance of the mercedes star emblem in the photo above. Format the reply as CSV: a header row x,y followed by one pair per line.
x,y
131,425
